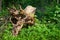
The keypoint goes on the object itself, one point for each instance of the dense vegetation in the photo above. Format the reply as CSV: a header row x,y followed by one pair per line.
x,y
47,21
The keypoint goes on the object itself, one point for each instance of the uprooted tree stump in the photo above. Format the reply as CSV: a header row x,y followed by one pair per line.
x,y
21,17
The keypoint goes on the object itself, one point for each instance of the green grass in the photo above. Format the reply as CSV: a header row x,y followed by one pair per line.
x,y
36,32
41,30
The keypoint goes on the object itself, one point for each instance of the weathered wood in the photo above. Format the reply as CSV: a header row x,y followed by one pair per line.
x,y
21,17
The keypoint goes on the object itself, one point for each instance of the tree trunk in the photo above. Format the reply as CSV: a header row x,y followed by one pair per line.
x,y
0,4
57,1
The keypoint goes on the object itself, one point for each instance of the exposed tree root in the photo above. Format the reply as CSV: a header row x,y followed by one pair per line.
x,y
21,17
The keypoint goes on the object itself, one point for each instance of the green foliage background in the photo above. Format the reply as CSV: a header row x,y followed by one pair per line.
x,y
47,21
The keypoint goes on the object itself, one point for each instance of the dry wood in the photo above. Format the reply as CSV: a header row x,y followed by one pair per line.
x,y
21,17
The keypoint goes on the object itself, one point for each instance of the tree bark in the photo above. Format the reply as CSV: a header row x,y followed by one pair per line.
x,y
0,4
57,1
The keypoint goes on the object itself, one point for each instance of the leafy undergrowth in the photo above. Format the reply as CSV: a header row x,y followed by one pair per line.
x,y
47,28
36,32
